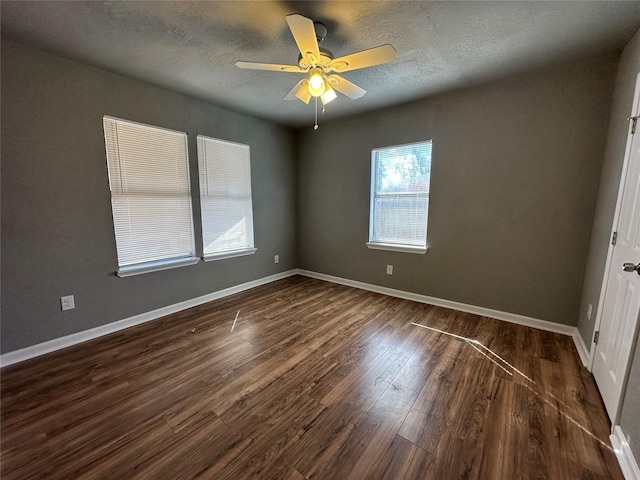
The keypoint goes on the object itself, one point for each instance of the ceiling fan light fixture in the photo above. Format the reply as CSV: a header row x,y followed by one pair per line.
x,y
302,93
328,95
317,63
316,83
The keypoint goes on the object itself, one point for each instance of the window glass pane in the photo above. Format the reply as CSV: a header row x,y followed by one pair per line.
x,y
400,194
151,228
401,220
228,226
404,169
225,195
150,192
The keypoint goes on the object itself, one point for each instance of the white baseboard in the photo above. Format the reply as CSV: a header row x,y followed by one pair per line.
x,y
583,351
75,338
463,307
627,461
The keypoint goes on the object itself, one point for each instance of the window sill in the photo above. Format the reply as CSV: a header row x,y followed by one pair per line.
x,y
149,267
397,248
229,254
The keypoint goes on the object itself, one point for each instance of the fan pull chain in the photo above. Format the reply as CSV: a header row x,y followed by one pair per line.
x,y
315,126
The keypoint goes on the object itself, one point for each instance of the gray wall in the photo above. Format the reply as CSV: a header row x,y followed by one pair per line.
x,y
515,172
57,230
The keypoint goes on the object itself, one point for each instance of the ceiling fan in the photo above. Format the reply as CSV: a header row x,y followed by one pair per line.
x,y
318,63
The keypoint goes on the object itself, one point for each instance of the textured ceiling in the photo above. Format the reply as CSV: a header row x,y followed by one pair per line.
x,y
191,47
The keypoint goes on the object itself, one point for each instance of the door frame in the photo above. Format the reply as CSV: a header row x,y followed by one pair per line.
x,y
635,111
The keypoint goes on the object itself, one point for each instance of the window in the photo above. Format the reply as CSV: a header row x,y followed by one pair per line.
x,y
225,198
399,205
150,196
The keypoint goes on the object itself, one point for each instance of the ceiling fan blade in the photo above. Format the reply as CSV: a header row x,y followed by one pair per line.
x,y
269,66
365,58
299,91
305,36
344,86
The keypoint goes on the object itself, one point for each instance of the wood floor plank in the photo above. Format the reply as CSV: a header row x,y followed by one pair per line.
x,y
461,449
425,422
506,427
402,459
317,380
264,458
372,436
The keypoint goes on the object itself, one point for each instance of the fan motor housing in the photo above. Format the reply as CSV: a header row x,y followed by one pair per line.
x,y
321,31
325,60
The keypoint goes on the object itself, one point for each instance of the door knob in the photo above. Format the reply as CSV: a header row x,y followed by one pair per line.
x,y
630,267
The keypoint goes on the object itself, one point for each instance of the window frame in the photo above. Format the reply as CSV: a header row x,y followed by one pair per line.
x,y
394,247
169,262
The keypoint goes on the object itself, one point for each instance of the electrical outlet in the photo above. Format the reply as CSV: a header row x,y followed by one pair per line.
x,y
389,269
589,310
276,259
67,302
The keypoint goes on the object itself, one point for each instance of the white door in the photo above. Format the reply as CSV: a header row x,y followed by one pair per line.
x,y
622,296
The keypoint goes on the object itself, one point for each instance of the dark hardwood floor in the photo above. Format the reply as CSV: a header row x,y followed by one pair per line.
x,y
316,381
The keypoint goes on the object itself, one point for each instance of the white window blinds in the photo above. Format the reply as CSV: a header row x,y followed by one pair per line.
x,y
225,198
150,193
399,206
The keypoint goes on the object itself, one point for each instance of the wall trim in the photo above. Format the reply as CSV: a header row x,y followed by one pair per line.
x,y
85,335
583,351
627,461
463,307
69,340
